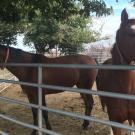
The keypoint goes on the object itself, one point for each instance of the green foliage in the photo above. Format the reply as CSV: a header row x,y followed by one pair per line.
x,y
47,24
95,6
16,10
73,32
67,35
9,11
133,1
42,34
8,34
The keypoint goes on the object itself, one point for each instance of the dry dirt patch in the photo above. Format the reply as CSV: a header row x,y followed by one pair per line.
x,y
62,124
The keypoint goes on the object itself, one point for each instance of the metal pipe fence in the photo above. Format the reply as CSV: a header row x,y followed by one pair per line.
x,y
6,75
3,133
39,85
81,66
40,99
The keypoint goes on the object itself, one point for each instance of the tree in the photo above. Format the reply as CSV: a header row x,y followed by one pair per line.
x,y
16,10
67,32
67,35
42,34
73,32
8,33
133,1
43,21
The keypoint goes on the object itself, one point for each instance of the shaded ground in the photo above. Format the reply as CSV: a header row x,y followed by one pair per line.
x,y
62,124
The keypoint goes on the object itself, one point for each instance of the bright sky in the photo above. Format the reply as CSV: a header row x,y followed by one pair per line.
x,y
110,23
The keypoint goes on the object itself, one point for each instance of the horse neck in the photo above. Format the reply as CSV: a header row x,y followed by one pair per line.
x,y
117,60
18,57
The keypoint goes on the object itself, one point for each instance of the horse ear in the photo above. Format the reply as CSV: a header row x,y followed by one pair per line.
x,y
124,16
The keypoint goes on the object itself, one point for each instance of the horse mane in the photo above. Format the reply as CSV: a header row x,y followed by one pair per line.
x,y
15,50
112,49
36,58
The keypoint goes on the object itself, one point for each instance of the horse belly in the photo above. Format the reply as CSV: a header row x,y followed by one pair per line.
x,y
67,78
131,108
117,109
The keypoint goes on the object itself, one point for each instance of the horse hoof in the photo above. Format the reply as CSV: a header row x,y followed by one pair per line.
x,y
49,127
34,132
84,127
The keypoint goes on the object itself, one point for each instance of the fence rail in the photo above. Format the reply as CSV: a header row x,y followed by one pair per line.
x,y
52,87
6,75
81,66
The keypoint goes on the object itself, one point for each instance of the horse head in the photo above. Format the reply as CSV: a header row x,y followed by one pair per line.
x,y
125,38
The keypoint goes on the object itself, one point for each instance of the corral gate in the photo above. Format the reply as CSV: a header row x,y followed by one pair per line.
x,y
40,129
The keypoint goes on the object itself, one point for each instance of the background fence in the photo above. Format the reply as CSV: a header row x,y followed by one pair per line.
x,y
99,54
5,74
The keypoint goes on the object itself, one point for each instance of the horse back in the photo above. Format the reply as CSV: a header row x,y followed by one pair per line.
x,y
72,74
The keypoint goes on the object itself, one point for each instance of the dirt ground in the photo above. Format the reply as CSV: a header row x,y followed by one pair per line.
x,y
62,124
65,125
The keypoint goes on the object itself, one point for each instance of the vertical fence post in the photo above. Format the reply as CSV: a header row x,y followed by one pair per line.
x,y
39,99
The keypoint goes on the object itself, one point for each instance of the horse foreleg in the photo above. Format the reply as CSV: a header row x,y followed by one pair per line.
x,y
32,97
45,113
88,100
116,131
35,120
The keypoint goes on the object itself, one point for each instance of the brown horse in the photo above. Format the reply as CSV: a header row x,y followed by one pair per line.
x,y
123,52
55,76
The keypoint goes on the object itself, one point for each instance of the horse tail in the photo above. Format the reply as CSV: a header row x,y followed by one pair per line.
x,y
99,79
98,88
96,60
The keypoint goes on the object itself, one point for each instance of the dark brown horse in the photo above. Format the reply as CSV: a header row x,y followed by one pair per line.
x,y
123,52
55,76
